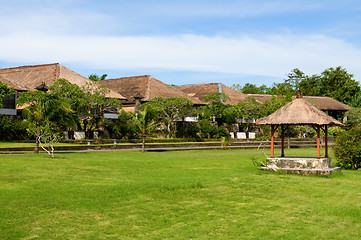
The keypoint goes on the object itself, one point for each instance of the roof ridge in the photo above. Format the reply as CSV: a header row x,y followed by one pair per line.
x,y
30,66
199,84
318,97
129,77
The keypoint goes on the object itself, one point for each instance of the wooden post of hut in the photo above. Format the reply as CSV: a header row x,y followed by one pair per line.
x,y
318,142
282,140
326,141
300,112
272,140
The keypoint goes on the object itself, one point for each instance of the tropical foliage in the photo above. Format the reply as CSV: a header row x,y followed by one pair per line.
x,y
46,115
336,83
5,91
353,117
348,148
146,121
173,110
88,103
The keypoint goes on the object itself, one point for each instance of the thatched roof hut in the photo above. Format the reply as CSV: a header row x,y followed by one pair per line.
x,y
298,112
323,103
30,77
145,86
201,90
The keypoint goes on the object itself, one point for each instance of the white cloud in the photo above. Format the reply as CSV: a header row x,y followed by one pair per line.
x,y
111,17
267,55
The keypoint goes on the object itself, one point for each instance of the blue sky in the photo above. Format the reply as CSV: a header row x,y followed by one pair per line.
x,y
184,42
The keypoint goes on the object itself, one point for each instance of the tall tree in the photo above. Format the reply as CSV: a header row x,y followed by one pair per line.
x,y
174,109
146,120
216,97
310,85
95,77
250,88
298,80
275,103
353,117
355,101
230,114
88,102
75,96
249,109
97,103
282,89
294,78
215,107
337,83
46,115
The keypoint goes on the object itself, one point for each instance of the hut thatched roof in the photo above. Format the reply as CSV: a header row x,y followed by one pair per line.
x,y
30,77
323,103
146,86
201,90
298,112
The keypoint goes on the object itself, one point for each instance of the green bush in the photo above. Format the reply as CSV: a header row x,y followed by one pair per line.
x,y
222,132
123,127
12,130
208,129
353,117
348,149
187,130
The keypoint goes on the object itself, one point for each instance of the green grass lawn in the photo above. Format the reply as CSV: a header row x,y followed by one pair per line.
x,y
211,194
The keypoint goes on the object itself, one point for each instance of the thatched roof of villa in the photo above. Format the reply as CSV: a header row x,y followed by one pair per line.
x,y
327,103
30,77
146,86
298,112
262,98
16,86
323,103
201,90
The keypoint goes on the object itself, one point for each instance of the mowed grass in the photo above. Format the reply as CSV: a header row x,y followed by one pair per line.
x,y
213,194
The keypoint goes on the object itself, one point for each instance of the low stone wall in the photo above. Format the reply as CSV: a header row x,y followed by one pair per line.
x,y
301,165
166,147
299,162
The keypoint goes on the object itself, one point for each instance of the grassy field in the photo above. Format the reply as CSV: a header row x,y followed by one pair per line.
x,y
212,194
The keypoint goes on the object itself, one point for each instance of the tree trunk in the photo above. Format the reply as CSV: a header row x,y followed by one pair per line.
x,y
143,144
36,150
169,131
84,128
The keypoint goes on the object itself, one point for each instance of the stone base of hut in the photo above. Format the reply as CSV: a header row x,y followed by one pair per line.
x,y
301,165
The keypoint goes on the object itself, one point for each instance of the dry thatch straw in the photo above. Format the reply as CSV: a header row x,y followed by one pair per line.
x,y
146,86
298,112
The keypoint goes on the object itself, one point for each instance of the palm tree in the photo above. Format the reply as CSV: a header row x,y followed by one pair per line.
x,y
146,120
